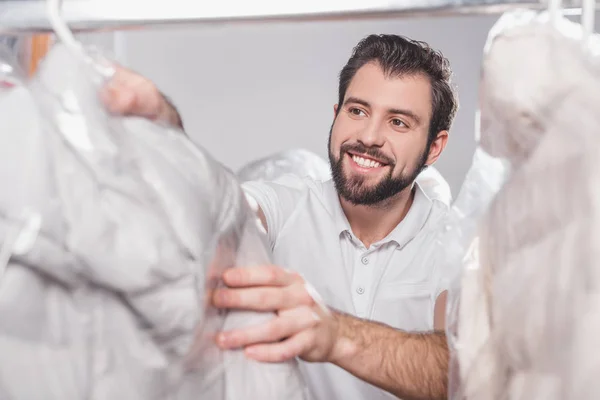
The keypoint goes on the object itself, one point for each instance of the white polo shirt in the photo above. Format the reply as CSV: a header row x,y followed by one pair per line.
x,y
396,281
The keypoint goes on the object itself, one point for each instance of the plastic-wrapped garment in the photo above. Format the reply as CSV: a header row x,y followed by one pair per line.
x,y
434,185
528,317
11,67
486,175
118,230
296,161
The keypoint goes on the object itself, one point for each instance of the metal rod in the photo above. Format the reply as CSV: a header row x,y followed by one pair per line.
x,y
92,15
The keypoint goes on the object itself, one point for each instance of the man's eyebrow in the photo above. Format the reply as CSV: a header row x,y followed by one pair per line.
x,y
406,113
357,101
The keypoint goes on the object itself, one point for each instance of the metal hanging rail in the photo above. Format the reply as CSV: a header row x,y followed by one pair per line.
x,y
91,15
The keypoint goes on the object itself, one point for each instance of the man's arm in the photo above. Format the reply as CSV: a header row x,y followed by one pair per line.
x,y
412,366
439,312
171,114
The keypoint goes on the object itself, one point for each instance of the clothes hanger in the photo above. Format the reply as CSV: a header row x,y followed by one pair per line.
x,y
64,34
555,11
588,14
62,31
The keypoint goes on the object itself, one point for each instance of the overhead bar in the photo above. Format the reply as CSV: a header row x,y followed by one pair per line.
x,y
92,15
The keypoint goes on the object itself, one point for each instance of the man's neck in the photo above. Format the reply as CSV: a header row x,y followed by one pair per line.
x,y
371,224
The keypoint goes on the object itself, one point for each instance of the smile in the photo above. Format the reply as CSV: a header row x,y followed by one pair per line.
x,y
365,162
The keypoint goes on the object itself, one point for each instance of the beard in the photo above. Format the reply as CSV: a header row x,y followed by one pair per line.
x,y
356,190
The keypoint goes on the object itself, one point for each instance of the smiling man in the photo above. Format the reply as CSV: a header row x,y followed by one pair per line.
x,y
366,240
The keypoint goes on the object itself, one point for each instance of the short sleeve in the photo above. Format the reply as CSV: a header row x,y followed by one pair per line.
x,y
446,274
277,200
447,264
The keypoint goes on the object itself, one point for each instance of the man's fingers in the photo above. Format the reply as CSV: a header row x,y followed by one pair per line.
x,y
149,102
282,351
128,93
126,77
119,101
283,326
268,275
263,298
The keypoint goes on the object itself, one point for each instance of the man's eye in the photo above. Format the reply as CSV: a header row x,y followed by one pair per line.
x,y
356,111
398,122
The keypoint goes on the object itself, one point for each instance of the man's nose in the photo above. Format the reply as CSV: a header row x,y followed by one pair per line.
x,y
372,134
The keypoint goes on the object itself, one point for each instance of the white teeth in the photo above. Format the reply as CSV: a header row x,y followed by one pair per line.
x,y
365,163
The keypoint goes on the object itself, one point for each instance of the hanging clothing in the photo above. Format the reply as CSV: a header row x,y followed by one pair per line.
x,y
119,230
528,314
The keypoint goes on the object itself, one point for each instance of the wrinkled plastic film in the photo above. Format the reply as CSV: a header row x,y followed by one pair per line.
x,y
21,221
434,185
524,308
298,162
459,243
13,52
136,228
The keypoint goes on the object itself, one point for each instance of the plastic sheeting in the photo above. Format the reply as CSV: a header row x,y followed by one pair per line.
x,y
459,245
434,185
12,54
114,233
298,162
524,315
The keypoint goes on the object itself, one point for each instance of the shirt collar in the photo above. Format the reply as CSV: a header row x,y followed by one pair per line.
x,y
406,230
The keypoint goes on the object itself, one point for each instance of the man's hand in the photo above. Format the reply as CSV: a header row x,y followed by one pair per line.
x,y
303,328
130,94
412,366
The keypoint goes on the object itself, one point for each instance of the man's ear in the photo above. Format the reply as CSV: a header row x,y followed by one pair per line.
x,y
437,147
335,110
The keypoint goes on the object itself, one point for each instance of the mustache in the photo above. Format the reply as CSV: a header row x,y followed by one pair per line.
x,y
372,152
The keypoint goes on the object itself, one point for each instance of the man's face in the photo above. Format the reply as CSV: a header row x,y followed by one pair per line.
x,y
377,144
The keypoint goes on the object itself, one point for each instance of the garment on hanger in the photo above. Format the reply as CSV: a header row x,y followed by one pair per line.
x,y
435,185
527,316
118,230
11,65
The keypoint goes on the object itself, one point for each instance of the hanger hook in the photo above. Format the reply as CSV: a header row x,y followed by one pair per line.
x,y
588,13
554,11
62,31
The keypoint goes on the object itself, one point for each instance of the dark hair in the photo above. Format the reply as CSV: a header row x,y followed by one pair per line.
x,y
398,56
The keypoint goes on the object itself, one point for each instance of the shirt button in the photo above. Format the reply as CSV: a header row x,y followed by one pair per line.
x,y
360,290
365,260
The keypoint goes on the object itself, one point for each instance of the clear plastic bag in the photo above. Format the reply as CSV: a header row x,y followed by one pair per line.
x,y
523,315
11,61
434,185
136,225
299,162
459,244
